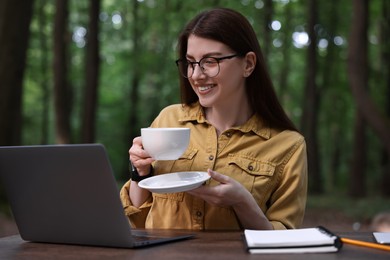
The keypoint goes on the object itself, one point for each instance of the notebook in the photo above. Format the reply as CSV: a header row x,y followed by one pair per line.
x,y
382,237
306,240
67,194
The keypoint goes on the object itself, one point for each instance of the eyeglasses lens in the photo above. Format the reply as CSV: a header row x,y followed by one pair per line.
x,y
208,65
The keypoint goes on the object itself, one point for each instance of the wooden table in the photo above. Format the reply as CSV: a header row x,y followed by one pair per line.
x,y
206,245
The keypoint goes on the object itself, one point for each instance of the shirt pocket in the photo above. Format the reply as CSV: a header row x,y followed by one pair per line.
x,y
252,166
250,171
184,163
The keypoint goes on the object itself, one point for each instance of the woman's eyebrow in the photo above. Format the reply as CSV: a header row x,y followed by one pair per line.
x,y
210,54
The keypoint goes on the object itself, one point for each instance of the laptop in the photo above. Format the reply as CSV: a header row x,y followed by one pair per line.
x,y
67,194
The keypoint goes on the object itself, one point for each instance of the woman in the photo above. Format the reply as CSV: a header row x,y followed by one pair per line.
x,y
239,134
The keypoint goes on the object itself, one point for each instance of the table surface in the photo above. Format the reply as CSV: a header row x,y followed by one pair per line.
x,y
205,245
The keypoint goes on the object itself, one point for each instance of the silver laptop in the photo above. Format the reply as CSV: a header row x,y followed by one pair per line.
x,y
67,194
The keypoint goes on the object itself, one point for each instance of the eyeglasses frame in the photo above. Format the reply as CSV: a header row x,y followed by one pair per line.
x,y
193,63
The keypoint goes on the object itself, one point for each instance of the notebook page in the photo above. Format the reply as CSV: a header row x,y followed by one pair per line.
x,y
291,237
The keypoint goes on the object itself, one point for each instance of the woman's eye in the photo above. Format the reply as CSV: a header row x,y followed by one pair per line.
x,y
209,61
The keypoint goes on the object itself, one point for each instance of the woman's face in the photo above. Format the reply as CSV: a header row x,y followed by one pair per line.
x,y
228,87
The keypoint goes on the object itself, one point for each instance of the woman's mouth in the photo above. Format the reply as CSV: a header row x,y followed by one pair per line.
x,y
205,88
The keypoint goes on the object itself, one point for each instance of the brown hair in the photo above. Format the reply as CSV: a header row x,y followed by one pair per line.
x,y
233,29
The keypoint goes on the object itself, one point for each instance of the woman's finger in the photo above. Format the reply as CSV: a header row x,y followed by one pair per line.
x,y
218,177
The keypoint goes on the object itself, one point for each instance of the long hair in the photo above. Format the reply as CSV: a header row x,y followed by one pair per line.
x,y
233,29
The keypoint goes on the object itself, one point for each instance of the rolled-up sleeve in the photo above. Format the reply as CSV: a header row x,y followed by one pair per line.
x,y
136,216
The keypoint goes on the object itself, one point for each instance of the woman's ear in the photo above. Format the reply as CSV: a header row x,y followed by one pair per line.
x,y
250,63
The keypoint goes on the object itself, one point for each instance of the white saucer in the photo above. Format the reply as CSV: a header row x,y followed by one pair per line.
x,y
174,182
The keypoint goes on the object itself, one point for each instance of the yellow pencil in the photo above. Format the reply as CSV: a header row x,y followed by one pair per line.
x,y
365,244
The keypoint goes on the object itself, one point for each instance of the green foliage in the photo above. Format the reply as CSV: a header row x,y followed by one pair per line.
x,y
159,23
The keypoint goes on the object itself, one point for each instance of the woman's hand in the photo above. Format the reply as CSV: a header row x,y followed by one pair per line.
x,y
230,192
140,158
142,161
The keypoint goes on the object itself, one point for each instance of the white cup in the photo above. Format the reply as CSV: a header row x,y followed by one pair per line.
x,y
165,143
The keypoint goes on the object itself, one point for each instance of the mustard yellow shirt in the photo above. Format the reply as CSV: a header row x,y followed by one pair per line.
x,y
272,165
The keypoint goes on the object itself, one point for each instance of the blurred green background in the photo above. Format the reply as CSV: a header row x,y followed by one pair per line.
x,y
307,45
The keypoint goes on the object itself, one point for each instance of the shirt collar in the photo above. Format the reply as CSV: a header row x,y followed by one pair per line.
x,y
195,112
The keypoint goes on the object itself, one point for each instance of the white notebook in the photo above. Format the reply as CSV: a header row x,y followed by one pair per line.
x,y
306,240
382,237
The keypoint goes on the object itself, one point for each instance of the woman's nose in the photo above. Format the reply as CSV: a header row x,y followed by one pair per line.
x,y
198,72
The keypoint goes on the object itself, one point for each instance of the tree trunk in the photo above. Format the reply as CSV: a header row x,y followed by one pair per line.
x,y
62,91
357,68
357,174
358,78
133,98
92,74
310,110
385,55
268,10
44,81
15,17
285,69
134,92
336,135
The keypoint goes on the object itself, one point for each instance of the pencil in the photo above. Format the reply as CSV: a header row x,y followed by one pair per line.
x,y
365,244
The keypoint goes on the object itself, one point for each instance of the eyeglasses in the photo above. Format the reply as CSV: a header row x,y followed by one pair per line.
x,y
208,65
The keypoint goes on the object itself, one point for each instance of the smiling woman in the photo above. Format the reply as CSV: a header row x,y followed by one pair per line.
x,y
240,135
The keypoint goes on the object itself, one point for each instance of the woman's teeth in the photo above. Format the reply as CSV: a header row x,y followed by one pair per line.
x,y
204,88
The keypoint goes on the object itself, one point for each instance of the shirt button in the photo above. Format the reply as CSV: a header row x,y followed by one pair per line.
x,y
211,157
250,167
